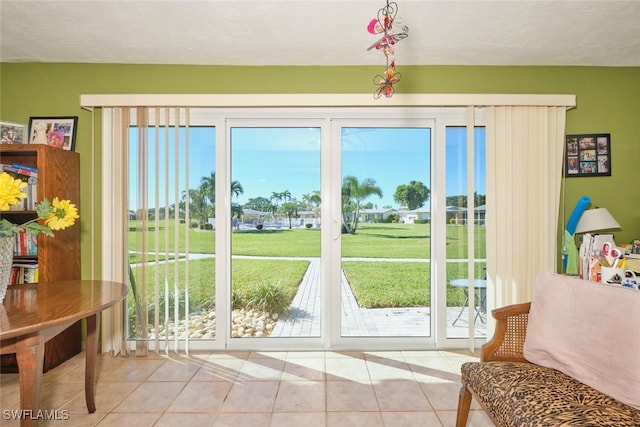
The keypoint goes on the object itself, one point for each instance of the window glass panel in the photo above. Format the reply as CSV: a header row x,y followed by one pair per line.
x,y
275,242
386,285
458,219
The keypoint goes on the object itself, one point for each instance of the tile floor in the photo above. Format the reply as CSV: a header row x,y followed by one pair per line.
x,y
313,388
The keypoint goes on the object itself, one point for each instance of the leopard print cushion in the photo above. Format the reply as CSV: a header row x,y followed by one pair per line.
x,y
524,394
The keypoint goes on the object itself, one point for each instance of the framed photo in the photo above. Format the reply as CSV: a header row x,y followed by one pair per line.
x,y
12,133
587,155
55,131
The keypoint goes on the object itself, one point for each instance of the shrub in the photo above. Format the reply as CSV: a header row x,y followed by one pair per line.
x,y
392,219
267,296
308,225
238,300
259,226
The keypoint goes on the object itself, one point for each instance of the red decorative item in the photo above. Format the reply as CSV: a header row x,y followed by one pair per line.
x,y
383,24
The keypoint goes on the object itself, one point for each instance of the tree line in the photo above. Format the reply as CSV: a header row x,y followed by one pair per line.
x,y
355,191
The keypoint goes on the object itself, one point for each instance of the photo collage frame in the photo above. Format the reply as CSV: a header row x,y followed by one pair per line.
x,y
588,155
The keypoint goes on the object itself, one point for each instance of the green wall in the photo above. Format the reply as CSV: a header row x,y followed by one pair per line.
x,y
608,101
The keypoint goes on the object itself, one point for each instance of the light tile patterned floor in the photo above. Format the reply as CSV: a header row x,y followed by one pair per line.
x,y
306,388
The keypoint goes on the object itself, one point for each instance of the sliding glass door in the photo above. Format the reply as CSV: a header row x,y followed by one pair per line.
x,y
276,280
385,286
322,229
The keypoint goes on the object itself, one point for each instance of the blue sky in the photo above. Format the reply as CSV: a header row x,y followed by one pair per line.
x,y
266,160
391,156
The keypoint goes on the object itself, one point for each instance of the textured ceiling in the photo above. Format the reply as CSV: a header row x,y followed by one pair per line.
x,y
329,32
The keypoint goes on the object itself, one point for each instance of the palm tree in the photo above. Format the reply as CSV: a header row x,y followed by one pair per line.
x,y
274,199
353,193
285,195
290,209
278,197
236,188
208,191
316,200
311,200
208,187
197,204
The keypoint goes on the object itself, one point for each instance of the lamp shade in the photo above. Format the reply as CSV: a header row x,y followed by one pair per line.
x,y
596,219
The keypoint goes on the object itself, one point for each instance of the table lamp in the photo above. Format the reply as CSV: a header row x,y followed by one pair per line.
x,y
595,220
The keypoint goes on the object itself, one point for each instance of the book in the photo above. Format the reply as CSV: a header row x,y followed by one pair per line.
x,y
24,272
591,259
26,243
23,166
20,170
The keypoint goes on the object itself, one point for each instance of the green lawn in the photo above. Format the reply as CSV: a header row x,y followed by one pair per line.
x,y
401,284
245,272
371,241
375,284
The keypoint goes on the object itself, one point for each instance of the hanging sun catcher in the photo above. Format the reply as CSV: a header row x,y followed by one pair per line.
x,y
383,24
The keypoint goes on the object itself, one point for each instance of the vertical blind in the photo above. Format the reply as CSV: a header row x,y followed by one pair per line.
x,y
148,147
114,229
524,174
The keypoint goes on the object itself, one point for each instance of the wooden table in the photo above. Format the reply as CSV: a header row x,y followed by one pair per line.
x,y
33,314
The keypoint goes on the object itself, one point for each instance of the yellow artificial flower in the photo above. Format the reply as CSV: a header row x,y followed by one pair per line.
x,y
63,214
10,191
57,215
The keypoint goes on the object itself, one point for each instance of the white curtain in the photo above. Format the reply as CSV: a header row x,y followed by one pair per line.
x,y
114,192
524,172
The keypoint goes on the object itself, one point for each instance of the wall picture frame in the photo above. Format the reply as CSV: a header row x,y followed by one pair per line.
x,y
55,131
12,133
587,155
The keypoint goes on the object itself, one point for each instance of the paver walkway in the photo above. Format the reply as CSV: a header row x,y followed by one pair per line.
x,y
303,319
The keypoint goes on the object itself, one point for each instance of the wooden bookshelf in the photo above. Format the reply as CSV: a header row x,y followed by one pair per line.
x,y
58,257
